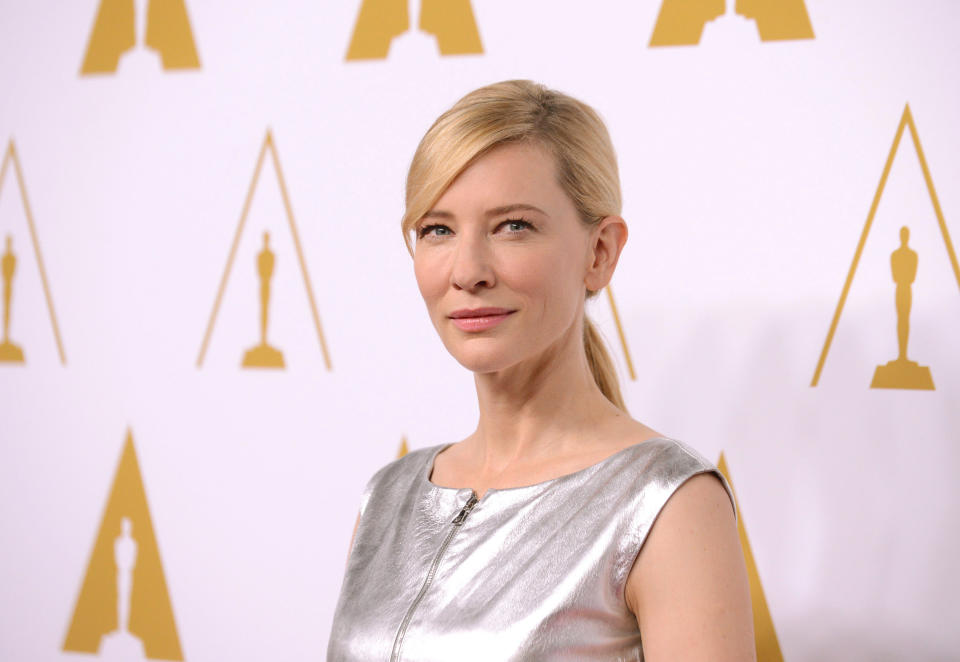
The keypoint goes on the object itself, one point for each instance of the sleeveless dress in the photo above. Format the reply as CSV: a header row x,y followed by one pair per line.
x,y
526,573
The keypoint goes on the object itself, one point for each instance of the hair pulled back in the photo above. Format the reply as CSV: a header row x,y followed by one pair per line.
x,y
514,111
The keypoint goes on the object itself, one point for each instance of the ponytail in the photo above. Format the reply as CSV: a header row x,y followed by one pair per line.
x,y
601,365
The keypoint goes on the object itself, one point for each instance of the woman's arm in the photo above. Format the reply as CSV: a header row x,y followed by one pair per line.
x,y
688,586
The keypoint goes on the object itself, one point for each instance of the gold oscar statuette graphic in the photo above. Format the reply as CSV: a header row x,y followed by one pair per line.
x,y
682,22
450,23
901,372
263,355
404,449
768,646
9,351
123,610
140,35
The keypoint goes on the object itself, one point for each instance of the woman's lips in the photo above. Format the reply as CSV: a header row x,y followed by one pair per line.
x,y
480,319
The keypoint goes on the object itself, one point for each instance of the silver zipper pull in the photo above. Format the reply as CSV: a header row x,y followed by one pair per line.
x,y
467,507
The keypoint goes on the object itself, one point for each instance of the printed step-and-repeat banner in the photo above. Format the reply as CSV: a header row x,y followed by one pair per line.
x,y
212,336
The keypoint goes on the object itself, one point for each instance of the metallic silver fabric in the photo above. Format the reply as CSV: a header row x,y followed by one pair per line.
x,y
525,573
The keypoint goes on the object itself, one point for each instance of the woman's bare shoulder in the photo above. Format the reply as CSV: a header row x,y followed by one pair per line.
x,y
690,577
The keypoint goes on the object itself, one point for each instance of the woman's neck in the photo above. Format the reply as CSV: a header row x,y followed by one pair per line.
x,y
539,409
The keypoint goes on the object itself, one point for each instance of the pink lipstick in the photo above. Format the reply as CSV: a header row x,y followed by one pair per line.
x,y
479,319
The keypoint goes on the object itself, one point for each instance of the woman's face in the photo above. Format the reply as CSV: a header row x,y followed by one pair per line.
x,y
501,260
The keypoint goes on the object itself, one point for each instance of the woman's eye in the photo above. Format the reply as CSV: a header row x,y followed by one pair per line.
x,y
516,225
436,230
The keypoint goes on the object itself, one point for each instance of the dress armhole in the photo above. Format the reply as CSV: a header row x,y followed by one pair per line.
x,y
707,468
656,515
726,487
703,467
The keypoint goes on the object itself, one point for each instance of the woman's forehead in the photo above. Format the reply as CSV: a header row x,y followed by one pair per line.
x,y
508,175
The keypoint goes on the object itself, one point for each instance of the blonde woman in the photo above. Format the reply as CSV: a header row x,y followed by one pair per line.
x,y
561,528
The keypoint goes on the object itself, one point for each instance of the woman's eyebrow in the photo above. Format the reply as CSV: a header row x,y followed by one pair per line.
x,y
496,211
437,213
506,209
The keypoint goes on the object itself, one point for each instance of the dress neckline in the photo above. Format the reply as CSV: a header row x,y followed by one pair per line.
x,y
428,470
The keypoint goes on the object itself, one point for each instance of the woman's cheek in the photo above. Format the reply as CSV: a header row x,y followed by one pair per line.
x,y
529,273
430,278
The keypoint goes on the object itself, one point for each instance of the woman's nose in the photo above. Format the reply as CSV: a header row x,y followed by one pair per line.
x,y
472,267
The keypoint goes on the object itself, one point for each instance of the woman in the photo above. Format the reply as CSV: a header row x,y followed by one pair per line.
x,y
561,528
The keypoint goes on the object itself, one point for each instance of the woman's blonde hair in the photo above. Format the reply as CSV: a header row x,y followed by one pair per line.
x,y
521,110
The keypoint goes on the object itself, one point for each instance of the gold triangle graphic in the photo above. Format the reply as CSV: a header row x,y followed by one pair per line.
x,y
768,646
268,145
404,449
11,157
452,22
681,22
114,33
906,120
124,606
620,333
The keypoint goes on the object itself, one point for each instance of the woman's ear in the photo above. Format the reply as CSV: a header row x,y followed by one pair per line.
x,y
607,238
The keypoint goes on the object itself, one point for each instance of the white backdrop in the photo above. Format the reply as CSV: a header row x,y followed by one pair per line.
x,y
749,169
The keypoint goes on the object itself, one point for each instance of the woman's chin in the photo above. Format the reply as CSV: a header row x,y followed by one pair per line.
x,y
482,360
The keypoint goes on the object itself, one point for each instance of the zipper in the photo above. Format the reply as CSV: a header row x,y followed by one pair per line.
x,y
457,522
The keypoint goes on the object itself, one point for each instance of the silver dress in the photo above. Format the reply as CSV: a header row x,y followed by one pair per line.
x,y
525,573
